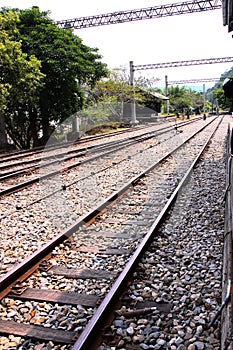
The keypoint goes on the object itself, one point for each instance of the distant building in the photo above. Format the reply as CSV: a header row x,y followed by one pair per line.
x,y
150,110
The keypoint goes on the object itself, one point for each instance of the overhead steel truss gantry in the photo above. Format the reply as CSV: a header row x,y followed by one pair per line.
x,y
141,14
193,81
134,68
181,63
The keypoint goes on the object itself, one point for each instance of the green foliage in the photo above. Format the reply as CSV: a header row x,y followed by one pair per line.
x,y
59,59
223,102
66,62
216,93
107,98
114,86
20,80
4,93
184,98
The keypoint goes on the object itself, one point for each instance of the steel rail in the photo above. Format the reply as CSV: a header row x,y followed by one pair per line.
x,y
76,181
159,11
46,157
30,264
88,336
30,269
19,154
131,140
36,150
10,174
66,168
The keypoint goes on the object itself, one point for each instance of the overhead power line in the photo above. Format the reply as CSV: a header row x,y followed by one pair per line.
x,y
193,81
141,14
183,63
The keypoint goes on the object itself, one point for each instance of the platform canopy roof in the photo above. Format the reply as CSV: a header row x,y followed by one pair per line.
x,y
159,96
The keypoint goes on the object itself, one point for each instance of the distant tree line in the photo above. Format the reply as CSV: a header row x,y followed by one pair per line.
x,y
216,93
182,98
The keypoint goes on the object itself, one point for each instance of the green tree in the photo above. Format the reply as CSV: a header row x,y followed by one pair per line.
x,y
184,98
223,102
67,63
216,93
20,81
114,91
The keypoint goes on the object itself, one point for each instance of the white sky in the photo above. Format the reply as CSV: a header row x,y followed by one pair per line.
x,y
182,37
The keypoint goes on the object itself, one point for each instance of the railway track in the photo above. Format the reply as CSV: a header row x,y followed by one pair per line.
x,y
56,159
15,155
19,154
28,161
28,171
54,156
20,216
97,253
34,156
19,200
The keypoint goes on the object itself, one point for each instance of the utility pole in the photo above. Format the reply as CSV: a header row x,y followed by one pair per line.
x,y
204,104
131,72
133,121
166,91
